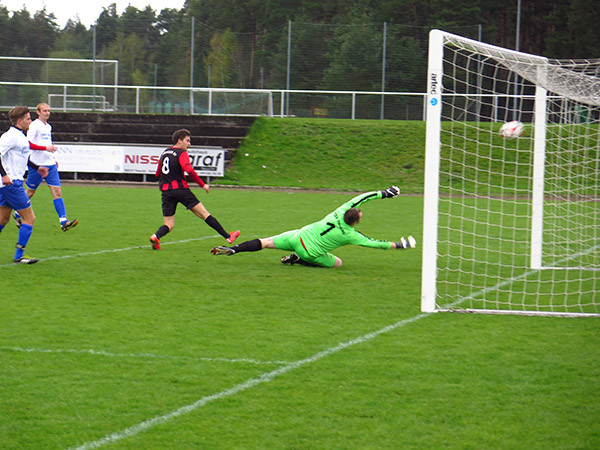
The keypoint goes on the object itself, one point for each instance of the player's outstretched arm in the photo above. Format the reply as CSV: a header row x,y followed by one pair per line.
x,y
366,197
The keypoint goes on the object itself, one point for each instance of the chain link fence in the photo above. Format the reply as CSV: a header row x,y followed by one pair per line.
x,y
311,70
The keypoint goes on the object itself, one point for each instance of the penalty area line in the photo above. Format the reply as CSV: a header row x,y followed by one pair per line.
x,y
252,382
115,250
141,355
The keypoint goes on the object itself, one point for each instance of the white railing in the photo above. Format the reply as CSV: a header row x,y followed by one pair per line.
x,y
220,101
66,102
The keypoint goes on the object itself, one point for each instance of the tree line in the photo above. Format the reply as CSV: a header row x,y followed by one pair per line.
x,y
336,44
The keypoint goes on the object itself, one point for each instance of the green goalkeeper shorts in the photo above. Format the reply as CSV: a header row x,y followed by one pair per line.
x,y
291,241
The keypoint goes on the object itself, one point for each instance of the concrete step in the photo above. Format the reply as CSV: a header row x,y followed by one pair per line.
x,y
120,128
232,142
143,128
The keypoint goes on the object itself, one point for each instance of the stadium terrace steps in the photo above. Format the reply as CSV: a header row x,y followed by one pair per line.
x,y
225,131
123,128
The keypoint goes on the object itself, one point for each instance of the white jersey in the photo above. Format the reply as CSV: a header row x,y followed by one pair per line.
x,y
40,133
14,151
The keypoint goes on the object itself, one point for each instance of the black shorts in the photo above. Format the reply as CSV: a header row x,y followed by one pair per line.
x,y
171,197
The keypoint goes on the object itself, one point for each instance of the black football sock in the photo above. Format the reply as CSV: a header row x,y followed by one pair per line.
x,y
305,263
162,231
249,246
214,223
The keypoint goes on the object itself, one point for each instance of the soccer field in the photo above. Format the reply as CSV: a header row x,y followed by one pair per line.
x,y
106,342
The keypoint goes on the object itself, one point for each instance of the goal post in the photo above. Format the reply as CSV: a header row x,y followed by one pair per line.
x,y
511,226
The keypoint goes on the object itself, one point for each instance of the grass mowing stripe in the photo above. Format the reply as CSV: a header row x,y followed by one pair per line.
x,y
264,378
141,355
115,250
268,376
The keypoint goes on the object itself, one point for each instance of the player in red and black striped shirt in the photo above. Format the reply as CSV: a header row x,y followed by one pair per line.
x,y
173,165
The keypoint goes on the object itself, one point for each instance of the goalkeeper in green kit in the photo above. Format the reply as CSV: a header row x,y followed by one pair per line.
x,y
311,244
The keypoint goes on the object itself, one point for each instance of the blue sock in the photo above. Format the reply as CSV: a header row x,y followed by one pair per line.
x,y
24,235
1,228
59,206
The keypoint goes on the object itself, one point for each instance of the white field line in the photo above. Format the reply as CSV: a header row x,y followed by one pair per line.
x,y
516,278
133,355
116,250
252,382
141,355
268,376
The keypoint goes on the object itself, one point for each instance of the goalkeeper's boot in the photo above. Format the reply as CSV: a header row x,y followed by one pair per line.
x,y
290,259
25,260
233,236
222,251
69,224
155,242
18,220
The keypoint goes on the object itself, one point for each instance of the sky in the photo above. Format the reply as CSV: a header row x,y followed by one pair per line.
x,y
87,10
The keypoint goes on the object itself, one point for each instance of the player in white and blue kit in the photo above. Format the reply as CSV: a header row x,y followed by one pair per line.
x,y
40,133
14,159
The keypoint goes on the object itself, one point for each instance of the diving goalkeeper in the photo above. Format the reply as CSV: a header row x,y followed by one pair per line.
x,y
311,244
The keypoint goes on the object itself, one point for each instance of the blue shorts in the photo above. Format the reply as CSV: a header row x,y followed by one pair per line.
x,y
14,196
34,179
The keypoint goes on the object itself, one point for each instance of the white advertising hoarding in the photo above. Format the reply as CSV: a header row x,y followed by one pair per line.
x,y
132,158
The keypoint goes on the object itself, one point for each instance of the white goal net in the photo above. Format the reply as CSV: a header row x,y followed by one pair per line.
x,y
29,80
511,225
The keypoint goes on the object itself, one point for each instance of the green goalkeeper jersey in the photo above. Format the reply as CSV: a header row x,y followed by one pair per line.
x,y
331,232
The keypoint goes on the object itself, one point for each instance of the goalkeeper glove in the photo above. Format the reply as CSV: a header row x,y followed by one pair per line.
x,y
409,242
390,192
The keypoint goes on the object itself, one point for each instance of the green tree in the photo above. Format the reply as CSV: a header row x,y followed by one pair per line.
x,y
42,34
107,27
5,37
222,59
129,50
140,22
584,16
356,56
65,72
309,56
405,12
75,38
18,43
559,39
171,52
406,62
234,15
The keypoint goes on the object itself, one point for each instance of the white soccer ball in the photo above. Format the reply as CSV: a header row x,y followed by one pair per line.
x,y
512,129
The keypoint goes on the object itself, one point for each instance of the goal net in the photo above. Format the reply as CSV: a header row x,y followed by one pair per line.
x,y
29,80
511,225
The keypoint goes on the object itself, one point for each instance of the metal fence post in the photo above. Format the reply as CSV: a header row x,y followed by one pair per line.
x,y
289,58
383,70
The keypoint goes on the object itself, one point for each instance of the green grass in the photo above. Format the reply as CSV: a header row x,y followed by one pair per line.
x,y
368,154
485,243
181,327
331,153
